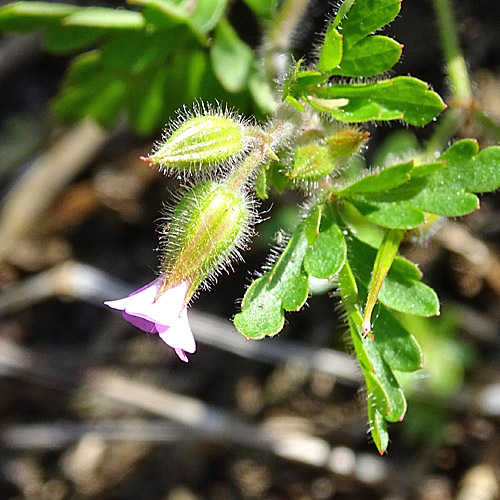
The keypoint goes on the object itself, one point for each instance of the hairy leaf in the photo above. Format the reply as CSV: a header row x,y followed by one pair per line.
x,y
368,57
283,288
401,98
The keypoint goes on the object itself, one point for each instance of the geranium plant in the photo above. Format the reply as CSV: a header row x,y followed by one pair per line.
x,y
353,219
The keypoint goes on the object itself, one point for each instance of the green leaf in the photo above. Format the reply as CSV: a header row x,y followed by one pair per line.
x,y
208,13
367,16
311,225
69,39
326,256
368,57
402,290
165,13
402,98
102,17
386,394
465,168
27,16
444,188
331,51
231,58
450,191
377,425
147,107
299,84
398,347
89,90
138,51
391,215
284,288
344,8
380,180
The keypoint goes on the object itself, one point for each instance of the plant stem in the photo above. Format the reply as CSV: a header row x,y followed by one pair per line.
x,y
459,79
279,38
455,62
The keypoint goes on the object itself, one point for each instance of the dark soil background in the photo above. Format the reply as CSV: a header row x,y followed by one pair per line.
x,y
91,408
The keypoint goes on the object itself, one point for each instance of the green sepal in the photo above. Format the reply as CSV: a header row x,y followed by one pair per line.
x,y
311,162
201,142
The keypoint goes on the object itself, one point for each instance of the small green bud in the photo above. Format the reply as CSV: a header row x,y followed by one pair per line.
x,y
311,162
208,224
345,143
201,142
318,159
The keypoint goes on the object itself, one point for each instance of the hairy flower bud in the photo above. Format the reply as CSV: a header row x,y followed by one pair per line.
x,y
201,142
311,162
316,160
208,225
345,143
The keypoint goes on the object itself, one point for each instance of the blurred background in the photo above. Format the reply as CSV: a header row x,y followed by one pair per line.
x,y
91,408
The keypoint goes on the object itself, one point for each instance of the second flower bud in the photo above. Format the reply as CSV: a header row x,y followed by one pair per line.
x,y
207,227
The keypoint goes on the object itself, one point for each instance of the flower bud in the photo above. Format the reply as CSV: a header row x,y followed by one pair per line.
x,y
202,142
316,160
311,162
345,143
208,224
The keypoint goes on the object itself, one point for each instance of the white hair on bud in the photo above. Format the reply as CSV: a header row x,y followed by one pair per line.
x,y
170,241
198,169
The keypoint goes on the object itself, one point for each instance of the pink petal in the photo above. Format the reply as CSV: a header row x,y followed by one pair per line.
x,y
165,310
141,303
143,324
178,335
145,294
182,355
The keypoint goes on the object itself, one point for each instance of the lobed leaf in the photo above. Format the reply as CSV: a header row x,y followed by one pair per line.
x,y
381,180
402,290
283,288
401,98
366,16
369,57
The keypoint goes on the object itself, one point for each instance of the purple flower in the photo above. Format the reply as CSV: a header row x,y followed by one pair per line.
x,y
163,313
